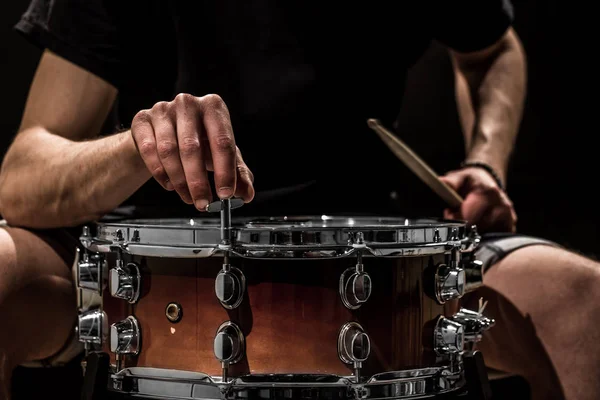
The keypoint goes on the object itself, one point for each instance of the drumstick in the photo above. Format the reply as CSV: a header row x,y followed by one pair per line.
x,y
415,164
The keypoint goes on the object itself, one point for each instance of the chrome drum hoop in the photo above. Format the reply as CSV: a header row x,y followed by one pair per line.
x,y
183,385
285,237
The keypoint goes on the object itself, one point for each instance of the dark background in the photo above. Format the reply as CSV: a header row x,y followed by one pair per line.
x,y
552,177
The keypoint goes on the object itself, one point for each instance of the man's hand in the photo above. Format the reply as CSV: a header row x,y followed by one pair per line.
x,y
181,140
485,204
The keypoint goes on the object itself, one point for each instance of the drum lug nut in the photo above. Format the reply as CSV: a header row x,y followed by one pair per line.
x,y
92,327
230,286
354,346
125,337
355,284
450,283
229,346
125,281
450,278
91,272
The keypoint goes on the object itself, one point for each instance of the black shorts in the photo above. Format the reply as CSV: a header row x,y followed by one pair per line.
x,y
495,246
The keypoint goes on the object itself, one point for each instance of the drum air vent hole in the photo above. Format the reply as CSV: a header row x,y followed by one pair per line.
x,y
174,312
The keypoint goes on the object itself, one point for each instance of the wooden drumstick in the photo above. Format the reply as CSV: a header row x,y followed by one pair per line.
x,y
415,164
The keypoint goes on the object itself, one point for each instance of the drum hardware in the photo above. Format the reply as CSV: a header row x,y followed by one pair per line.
x,y
436,236
125,336
125,280
174,312
449,280
393,385
229,346
448,337
91,272
474,323
230,286
355,284
354,346
230,283
125,339
92,328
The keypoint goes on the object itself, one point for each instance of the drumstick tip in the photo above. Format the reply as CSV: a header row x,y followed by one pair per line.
x,y
373,123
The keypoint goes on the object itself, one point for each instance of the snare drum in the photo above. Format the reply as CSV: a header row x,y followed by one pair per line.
x,y
290,307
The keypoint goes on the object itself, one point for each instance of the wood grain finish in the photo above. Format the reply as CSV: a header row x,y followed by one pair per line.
x,y
291,315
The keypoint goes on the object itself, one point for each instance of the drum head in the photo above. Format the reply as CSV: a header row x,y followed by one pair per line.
x,y
289,237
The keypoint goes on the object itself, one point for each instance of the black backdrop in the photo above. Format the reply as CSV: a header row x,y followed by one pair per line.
x,y
551,178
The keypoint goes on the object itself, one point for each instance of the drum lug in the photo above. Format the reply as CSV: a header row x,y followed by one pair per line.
x,y
450,278
448,337
92,328
91,272
125,281
229,346
230,286
125,337
355,284
354,346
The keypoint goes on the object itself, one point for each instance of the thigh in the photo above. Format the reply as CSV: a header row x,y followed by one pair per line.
x,y
37,299
25,256
544,300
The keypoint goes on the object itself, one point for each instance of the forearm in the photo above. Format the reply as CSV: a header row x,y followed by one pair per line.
x,y
49,181
492,107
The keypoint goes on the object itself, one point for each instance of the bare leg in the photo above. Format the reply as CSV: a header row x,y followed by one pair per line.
x,y
547,303
37,302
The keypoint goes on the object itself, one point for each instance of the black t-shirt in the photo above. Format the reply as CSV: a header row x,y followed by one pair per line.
x,y
300,80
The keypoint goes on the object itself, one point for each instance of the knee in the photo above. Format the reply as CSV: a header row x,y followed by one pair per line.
x,y
546,273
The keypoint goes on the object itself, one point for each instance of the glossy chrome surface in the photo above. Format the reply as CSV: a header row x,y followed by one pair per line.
x,y
91,272
282,237
184,385
355,287
125,336
229,344
230,286
125,282
449,337
450,283
92,327
474,323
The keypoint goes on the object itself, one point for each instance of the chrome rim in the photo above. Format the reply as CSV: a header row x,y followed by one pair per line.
x,y
182,385
284,237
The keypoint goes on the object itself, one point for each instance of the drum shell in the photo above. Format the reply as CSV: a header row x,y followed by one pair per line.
x,y
291,315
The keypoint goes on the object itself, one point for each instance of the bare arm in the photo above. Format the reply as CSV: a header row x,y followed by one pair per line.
x,y
490,91
57,172
52,174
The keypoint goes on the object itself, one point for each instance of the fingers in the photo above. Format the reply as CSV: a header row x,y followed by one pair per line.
x,y
143,136
181,140
193,159
167,148
455,179
222,144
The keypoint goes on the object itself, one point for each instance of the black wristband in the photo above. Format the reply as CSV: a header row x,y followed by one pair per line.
x,y
486,167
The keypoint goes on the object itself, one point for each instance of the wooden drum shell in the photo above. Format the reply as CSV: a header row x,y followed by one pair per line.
x,y
291,315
